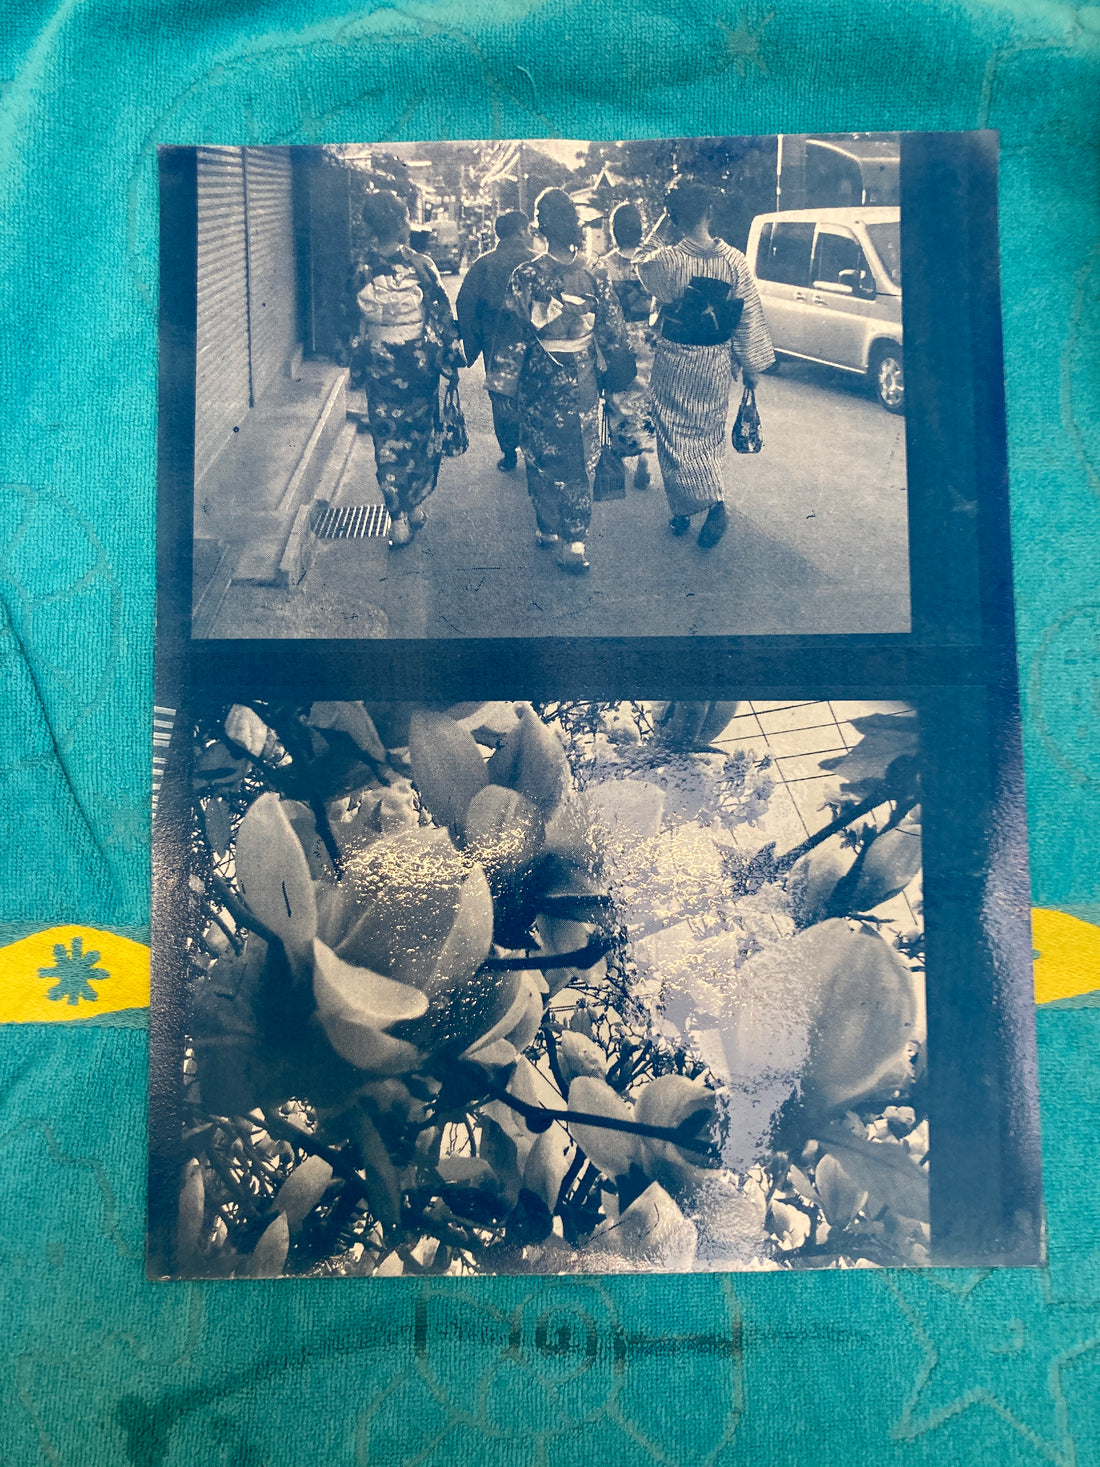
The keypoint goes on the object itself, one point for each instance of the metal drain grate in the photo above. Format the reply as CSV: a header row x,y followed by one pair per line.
x,y
353,522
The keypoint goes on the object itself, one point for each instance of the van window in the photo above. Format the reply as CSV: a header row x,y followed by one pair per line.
x,y
838,255
784,253
886,239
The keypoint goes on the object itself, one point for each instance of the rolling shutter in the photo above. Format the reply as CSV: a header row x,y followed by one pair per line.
x,y
222,378
271,263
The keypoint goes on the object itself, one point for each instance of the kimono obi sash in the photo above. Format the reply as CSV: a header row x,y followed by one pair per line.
x,y
707,314
565,323
392,307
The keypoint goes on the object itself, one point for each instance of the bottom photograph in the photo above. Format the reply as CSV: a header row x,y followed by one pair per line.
x,y
572,987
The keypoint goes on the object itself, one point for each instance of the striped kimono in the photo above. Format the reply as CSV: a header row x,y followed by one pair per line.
x,y
690,385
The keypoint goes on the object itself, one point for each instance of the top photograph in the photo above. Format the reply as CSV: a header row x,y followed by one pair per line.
x,y
549,389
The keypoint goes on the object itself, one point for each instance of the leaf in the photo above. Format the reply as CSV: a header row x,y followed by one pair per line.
x,y
532,761
303,1189
692,725
447,766
274,876
841,1199
356,1006
502,830
352,719
614,1152
268,1259
192,1207
547,1163
423,914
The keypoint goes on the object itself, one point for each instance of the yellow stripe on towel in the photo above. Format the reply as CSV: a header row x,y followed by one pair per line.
x,y
1067,959
71,973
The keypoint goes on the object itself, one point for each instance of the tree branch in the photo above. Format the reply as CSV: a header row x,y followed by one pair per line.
x,y
541,1119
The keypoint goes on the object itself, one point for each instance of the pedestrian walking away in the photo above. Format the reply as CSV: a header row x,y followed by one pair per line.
x,y
409,354
630,415
711,329
558,311
478,306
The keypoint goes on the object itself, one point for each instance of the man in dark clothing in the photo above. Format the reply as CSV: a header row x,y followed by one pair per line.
x,y
478,307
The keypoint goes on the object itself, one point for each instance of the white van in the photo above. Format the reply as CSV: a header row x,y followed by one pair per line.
x,y
830,284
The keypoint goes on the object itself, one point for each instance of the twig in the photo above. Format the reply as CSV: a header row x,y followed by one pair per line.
x,y
581,957
542,1119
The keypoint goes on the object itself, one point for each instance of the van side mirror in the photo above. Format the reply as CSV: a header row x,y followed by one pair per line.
x,y
860,282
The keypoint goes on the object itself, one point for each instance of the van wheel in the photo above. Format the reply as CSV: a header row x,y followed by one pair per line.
x,y
887,376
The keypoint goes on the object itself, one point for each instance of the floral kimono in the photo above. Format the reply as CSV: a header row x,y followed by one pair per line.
x,y
630,412
555,318
408,344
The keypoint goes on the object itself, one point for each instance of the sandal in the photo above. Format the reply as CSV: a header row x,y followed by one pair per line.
x,y
571,557
400,533
417,518
714,527
679,524
545,541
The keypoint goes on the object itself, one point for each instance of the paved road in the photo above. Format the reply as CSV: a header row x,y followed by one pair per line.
x,y
816,543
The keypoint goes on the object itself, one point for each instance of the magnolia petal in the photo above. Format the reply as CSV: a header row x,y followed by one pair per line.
x,y
867,1007
425,912
531,760
502,830
669,1101
268,1258
273,874
359,995
447,765
514,1030
841,1197
547,1163
614,1152
652,1231
888,867
303,1189
579,1055
368,1048
471,935
352,719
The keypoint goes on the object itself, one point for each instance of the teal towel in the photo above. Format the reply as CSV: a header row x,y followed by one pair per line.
x,y
103,1368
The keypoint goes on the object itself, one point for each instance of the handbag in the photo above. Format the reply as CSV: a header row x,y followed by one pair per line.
x,y
453,423
609,480
747,437
616,368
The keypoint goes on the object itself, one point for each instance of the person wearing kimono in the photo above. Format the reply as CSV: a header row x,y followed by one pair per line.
x,y
630,415
479,304
559,312
711,329
408,349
